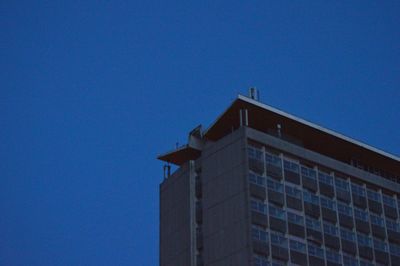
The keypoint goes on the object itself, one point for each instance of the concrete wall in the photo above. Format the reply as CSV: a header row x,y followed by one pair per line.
x,y
175,219
225,202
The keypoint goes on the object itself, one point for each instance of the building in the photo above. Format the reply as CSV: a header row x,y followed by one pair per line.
x,y
262,187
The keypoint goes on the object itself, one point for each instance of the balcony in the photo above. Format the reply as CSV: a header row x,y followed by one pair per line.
x,y
375,206
346,220
365,252
259,218
349,246
343,195
261,247
382,257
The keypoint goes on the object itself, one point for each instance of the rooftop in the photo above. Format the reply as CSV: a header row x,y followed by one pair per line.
x,y
265,118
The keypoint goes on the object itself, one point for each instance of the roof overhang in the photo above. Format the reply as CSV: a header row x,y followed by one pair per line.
x,y
180,155
313,137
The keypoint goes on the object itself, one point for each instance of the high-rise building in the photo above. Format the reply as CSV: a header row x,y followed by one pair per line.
x,y
263,187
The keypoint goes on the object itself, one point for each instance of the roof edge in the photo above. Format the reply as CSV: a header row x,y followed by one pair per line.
x,y
310,124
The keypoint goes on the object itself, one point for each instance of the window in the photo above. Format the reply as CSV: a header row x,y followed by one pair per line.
x,y
394,249
313,224
274,185
256,179
256,161
310,197
291,166
308,172
325,178
373,195
349,260
255,153
347,234
357,189
360,214
294,218
327,203
315,250
392,225
272,159
364,240
279,239
342,184
377,220
260,260
294,192
380,245
259,233
297,246
330,229
389,201
277,212
258,206
344,209
333,256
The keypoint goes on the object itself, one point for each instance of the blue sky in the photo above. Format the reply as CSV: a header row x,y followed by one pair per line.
x,y
91,93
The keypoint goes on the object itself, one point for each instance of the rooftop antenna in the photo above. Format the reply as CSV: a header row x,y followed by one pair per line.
x,y
278,127
253,93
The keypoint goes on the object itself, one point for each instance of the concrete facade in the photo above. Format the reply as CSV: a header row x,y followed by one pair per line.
x,y
252,197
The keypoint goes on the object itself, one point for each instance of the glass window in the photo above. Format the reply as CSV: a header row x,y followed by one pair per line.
x,y
291,166
394,249
373,195
259,233
258,206
328,203
310,197
332,255
364,240
298,246
294,218
344,209
349,260
308,172
272,159
292,191
357,189
389,200
312,223
347,234
315,250
342,184
377,220
330,229
277,212
256,179
380,245
274,185
325,178
279,239
360,214
392,225
255,153
260,260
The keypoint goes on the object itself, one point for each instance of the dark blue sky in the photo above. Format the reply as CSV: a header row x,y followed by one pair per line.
x,y
91,93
